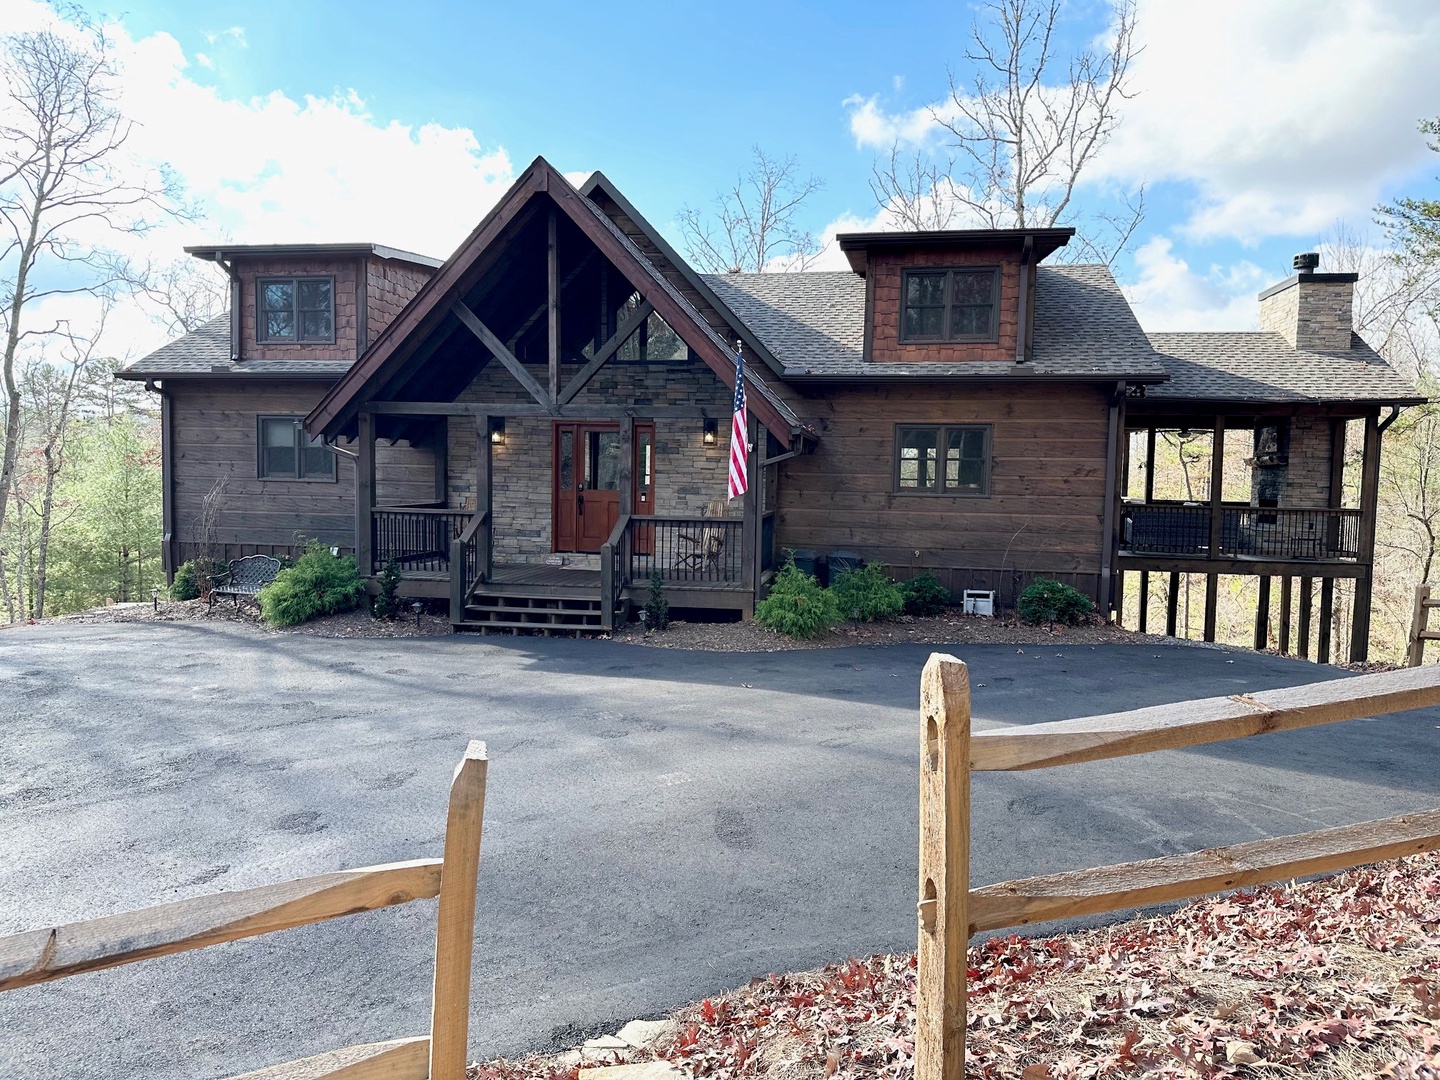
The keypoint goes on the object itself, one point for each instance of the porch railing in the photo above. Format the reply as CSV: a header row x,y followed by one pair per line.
x,y
469,562
1264,532
686,550
418,538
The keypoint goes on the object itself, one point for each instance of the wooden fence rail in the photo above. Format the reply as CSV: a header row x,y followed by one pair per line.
x,y
1420,631
950,911
38,956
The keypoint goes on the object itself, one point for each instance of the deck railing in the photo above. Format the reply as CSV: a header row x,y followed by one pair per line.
x,y
687,550
418,538
1264,532
469,561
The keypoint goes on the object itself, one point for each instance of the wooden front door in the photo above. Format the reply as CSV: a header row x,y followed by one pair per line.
x,y
586,471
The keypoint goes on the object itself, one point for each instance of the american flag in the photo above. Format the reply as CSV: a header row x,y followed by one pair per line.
x,y
739,432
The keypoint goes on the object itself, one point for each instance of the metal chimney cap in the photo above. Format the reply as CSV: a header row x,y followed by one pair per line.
x,y
1306,262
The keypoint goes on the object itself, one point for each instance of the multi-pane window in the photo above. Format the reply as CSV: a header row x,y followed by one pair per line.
x,y
287,453
298,309
942,459
950,305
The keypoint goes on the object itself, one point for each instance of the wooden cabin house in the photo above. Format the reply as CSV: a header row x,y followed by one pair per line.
x,y
537,426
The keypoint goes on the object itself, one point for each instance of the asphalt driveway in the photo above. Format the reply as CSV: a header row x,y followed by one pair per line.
x,y
660,825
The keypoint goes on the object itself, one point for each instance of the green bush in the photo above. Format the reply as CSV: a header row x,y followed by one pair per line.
x,y
318,584
194,578
1044,600
657,607
867,594
924,595
797,605
387,600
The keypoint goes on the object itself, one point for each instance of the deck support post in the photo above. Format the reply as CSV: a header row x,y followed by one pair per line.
x,y
1307,599
1327,607
1172,605
1369,501
1144,600
484,474
1217,489
750,531
1285,603
1262,615
365,494
1212,597
552,304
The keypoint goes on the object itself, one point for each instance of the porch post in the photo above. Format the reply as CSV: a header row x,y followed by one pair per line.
x,y
627,505
1262,615
1369,499
1217,517
1172,606
365,494
1307,601
749,531
757,482
484,471
1286,585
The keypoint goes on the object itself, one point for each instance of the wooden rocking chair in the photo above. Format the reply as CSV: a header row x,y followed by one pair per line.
x,y
707,544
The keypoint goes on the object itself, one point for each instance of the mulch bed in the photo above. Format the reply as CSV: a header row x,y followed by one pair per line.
x,y
948,629
349,624
1336,978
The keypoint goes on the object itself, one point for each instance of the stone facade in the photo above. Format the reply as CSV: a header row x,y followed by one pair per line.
x,y
1305,480
1311,311
688,474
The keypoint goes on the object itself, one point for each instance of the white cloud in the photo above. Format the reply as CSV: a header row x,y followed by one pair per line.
x,y
1285,116
1169,295
236,34
273,169
876,129
204,61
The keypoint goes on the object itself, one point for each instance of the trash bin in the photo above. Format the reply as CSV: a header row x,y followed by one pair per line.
x,y
807,562
840,561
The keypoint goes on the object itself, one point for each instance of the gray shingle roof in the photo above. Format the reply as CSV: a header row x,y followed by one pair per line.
x,y
206,352
1260,366
815,323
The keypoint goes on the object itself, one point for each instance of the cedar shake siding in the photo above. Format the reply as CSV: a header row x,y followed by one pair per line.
x,y
215,442
1043,516
886,273
391,284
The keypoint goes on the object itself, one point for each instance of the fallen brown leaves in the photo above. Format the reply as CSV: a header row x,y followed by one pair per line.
x,y
1337,978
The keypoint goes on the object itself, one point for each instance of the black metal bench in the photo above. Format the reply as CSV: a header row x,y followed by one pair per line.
x,y
245,577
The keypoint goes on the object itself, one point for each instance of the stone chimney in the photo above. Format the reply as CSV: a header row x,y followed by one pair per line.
x,y
1310,310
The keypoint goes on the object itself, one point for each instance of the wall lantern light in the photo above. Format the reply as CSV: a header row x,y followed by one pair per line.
x,y
712,431
497,431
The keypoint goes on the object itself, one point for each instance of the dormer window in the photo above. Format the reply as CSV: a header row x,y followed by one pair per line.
x,y
296,309
950,305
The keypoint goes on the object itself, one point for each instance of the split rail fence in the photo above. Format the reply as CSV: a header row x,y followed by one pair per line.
x,y
1420,631
39,956
950,911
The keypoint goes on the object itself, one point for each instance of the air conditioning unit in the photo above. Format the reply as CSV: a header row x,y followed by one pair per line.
x,y
979,602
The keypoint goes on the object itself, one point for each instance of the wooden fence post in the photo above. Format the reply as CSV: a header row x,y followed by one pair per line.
x,y
1419,621
944,869
455,924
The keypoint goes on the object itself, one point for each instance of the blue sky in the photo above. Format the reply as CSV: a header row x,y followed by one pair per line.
x,y
1256,128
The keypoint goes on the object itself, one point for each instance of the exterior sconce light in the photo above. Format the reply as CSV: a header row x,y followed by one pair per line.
x,y
417,607
497,431
712,431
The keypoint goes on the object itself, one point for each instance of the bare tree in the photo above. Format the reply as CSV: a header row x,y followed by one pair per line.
x,y
915,190
186,294
1022,130
62,187
754,227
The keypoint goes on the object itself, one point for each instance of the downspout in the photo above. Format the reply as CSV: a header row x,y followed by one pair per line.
x,y
167,479
229,268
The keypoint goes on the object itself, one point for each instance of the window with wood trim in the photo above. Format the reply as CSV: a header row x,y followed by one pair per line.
x,y
287,453
295,309
958,304
942,459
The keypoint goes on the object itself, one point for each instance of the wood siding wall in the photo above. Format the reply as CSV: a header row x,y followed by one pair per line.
x,y
214,433
1043,517
885,273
